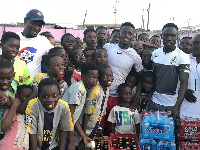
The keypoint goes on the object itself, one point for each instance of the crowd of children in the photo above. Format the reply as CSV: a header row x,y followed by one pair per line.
x,y
65,105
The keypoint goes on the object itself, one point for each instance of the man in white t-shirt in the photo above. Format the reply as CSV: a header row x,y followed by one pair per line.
x,y
191,103
121,58
171,67
32,45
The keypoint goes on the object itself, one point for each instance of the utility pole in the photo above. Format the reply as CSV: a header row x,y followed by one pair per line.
x,y
143,20
115,12
148,10
84,20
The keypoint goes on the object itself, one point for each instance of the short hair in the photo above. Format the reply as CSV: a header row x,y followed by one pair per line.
x,y
72,52
139,36
88,48
7,35
148,74
47,34
115,30
47,58
122,86
21,87
65,35
98,50
88,30
101,27
54,50
170,25
127,24
154,36
6,64
46,82
87,66
102,67
132,73
186,37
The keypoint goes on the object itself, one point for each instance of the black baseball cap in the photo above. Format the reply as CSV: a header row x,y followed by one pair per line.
x,y
34,15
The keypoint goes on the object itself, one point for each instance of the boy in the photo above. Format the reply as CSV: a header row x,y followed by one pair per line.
x,y
16,135
48,118
78,44
155,40
143,37
121,116
115,36
101,56
102,36
10,43
97,101
75,96
68,42
89,54
138,47
90,38
146,60
185,45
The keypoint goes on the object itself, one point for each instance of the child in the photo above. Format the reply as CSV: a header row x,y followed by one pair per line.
x,y
102,36
78,44
90,38
185,45
77,58
123,119
8,85
155,40
146,60
55,67
143,37
97,101
89,54
148,80
68,42
101,56
10,43
132,80
114,39
138,48
75,96
16,135
48,118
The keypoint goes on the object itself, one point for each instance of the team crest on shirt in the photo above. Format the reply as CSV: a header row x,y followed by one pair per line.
x,y
173,60
93,103
27,54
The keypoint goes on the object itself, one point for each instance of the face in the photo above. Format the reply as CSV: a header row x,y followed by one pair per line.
x,y
106,78
138,47
156,41
147,84
56,67
90,79
68,43
78,44
6,77
125,94
170,36
89,55
115,38
10,49
49,96
62,53
32,28
126,35
132,81
101,57
102,35
133,42
52,41
185,46
78,58
91,39
26,92
146,57
144,38
196,46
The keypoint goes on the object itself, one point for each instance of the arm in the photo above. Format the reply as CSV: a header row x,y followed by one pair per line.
x,y
32,141
85,121
21,109
72,109
8,120
113,127
183,77
71,145
62,139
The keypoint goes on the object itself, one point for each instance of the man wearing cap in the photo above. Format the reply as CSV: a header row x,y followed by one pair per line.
x,y
32,45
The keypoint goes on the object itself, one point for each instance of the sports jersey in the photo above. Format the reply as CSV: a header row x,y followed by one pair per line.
x,y
76,76
125,119
22,75
32,50
46,124
96,103
167,67
192,109
121,61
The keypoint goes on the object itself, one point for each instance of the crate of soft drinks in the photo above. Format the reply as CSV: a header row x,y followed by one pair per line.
x,y
124,142
102,143
189,145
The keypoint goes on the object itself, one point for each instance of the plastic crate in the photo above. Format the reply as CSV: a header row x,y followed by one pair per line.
x,y
188,145
117,135
107,138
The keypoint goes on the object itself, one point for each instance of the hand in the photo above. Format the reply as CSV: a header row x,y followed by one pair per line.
x,y
176,112
189,96
71,146
14,101
86,140
3,101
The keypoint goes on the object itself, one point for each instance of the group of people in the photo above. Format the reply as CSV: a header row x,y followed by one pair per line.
x,y
62,97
